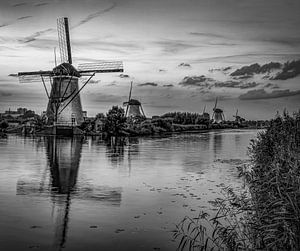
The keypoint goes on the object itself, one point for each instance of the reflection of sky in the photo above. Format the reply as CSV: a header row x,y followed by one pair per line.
x,y
152,38
142,194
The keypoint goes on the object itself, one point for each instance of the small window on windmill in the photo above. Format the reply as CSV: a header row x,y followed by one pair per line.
x,y
73,118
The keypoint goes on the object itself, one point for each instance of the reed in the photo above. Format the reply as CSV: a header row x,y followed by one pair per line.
x,y
266,216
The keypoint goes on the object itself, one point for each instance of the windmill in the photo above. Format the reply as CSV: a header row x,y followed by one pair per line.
x,y
133,106
218,115
205,115
64,109
238,119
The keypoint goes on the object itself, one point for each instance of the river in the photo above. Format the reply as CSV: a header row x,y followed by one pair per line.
x,y
126,194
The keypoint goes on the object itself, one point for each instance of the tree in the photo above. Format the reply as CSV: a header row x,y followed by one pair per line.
x,y
3,124
115,121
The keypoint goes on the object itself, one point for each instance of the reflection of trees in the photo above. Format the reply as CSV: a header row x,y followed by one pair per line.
x,y
115,149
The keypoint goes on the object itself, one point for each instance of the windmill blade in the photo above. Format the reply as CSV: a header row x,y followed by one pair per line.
x,y
216,103
64,40
34,76
130,92
101,67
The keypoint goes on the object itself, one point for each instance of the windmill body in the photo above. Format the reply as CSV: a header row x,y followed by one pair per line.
x,y
133,107
218,114
64,109
64,88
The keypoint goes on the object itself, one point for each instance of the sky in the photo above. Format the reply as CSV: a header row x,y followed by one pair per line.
x,y
180,54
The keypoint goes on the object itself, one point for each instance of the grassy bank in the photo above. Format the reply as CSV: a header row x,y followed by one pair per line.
x,y
266,216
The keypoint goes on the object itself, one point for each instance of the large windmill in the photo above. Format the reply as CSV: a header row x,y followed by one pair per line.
x,y
218,115
64,108
133,106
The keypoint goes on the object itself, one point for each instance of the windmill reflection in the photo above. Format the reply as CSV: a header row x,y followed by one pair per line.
x,y
63,157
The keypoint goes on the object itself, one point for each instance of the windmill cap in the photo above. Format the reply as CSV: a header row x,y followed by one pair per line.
x,y
66,69
134,102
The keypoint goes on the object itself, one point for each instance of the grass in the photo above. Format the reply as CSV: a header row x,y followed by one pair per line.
x,y
266,216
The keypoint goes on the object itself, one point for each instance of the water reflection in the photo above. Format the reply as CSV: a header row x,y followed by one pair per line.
x,y
218,143
115,149
63,157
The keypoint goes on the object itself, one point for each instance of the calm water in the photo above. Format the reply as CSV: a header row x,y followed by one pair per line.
x,y
90,194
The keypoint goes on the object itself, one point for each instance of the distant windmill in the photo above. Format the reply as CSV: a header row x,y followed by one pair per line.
x,y
64,105
238,119
218,115
133,106
205,115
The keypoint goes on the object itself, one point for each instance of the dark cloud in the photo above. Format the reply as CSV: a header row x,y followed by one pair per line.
x,y
13,75
169,85
148,84
94,15
40,4
196,81
262,94
224,69
250,70
25,17
5,24
206,34
290,70
185,65
123,76
19,4
228,84
35,35
5,94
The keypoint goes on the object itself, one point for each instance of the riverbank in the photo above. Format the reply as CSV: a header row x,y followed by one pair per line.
x,y
266,214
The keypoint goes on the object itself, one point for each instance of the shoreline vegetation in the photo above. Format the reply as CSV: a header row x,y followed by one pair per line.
x,y
266,214
114,123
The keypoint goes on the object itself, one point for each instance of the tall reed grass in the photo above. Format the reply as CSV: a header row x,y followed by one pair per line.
x,y
266,216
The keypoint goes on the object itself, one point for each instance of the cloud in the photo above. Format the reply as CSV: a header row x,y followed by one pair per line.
x,y
35,35
123,76
185,65
228,84
290,70
248,85
94,15
148,84
5,94
262,94
19,4
206,34
40,4
169,85
25,17
196,81
224,69
13,75
250,70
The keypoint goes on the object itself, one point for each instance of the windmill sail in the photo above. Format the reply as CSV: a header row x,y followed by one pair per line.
x,y
101,67
64,40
